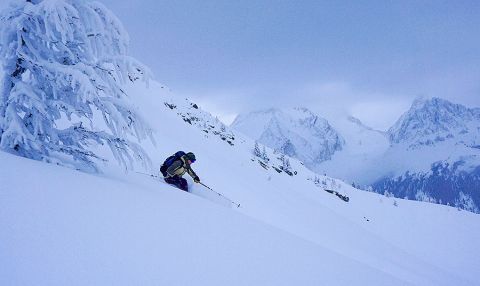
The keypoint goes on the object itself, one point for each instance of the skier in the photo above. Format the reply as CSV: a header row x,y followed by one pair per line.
x,y
176,166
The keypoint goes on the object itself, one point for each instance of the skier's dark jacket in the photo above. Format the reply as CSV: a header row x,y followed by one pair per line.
x,y
179,167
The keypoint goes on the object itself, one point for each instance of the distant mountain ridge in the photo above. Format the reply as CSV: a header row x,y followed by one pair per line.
x,y
432,152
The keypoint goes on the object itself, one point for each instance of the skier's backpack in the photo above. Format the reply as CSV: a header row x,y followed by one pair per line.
x,y
169,161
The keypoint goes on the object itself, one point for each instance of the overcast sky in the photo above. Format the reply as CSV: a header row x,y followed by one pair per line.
x,y
367,58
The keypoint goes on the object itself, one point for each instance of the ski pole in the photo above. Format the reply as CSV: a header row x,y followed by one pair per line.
x,y
238,205
156,176
207,187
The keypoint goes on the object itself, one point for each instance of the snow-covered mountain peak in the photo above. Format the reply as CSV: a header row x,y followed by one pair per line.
x,y
296,132
434,120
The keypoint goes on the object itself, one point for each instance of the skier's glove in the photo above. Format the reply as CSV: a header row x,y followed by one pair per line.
x,y
196,179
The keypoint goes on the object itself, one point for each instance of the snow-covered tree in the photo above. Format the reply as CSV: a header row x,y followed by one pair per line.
x,y
288,148
65,65
286,165
264,155
256,150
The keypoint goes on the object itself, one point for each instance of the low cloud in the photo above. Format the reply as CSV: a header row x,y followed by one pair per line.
x,y
330,99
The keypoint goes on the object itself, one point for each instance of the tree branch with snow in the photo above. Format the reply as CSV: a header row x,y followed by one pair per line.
x,y
66,61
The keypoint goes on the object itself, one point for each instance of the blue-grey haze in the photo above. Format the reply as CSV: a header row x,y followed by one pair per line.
x,y
369,58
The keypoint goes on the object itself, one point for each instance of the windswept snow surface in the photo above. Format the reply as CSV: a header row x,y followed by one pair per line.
x,y
63,227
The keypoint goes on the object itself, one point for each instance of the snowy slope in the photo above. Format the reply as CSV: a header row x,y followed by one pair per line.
x,y
66,227
85,230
